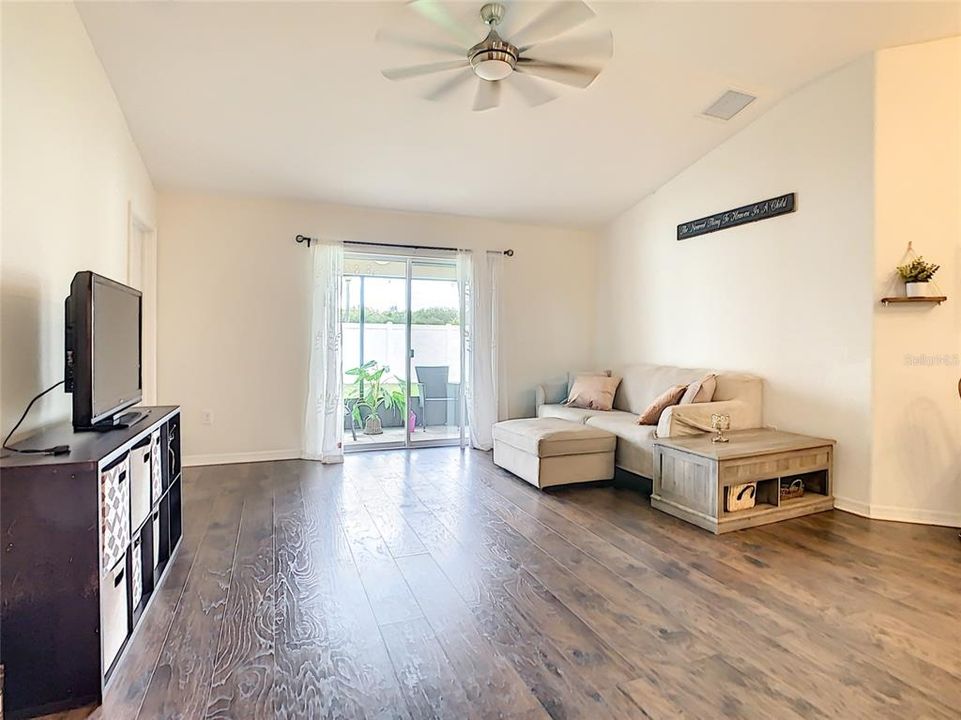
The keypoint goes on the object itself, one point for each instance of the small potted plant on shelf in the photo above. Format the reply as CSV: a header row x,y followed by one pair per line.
x,y
917,276
373,393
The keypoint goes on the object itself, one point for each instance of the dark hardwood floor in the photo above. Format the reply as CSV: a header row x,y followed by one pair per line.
x,y
433,584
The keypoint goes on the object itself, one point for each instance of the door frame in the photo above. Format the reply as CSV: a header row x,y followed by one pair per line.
x,y
461,387
142,236
407,443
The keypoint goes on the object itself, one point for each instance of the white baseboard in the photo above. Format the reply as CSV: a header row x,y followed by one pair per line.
x,y
855,507
918,516
245,457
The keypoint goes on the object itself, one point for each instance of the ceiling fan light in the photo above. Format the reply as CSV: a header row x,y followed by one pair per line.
x,y
493,58
493,69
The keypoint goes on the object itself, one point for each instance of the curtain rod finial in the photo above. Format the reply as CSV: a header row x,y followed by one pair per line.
x,y
509,252
304,238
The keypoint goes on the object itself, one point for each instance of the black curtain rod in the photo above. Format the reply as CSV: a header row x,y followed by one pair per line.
x,y
309,240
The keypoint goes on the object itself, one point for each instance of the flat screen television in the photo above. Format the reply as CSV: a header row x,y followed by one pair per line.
x,y
103,351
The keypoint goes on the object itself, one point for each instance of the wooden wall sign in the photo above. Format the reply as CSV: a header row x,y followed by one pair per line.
x,y
739,216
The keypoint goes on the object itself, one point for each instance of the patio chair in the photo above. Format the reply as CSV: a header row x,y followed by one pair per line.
x,y
435,398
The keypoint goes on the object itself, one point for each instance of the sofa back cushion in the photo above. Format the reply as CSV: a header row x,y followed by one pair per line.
x,y
740,386
641,384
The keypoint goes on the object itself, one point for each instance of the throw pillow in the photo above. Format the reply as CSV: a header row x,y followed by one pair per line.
x,y
594,392
701,391
669,397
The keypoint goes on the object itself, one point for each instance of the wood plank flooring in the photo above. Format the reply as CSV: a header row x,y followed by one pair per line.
x,y
432,584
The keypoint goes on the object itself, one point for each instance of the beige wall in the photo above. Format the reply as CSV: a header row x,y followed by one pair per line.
x,y
788,298
70,174
917,411
234,298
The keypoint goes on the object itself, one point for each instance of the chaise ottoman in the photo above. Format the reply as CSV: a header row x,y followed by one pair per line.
x,y
551,451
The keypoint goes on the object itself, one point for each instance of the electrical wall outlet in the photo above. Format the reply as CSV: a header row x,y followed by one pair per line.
x,y
207,417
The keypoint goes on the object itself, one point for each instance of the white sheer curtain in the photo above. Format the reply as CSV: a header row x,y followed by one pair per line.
x,y
324,420
479,276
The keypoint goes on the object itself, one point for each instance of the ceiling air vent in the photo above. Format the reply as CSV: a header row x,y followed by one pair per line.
x,y
729,105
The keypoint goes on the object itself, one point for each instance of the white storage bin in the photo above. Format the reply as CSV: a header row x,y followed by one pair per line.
x,y
140,479
114,515
136,572
113,612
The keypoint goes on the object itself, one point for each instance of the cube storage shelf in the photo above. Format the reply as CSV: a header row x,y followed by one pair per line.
x,y
88,538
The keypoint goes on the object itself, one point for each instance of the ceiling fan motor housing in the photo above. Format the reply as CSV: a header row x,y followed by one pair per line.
x,y
493,13
493,58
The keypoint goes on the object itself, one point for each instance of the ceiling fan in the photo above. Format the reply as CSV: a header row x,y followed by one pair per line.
x,y
534,52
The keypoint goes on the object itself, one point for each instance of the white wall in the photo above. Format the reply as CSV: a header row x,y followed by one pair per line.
x,y
917,352
788,298
70,175
234,298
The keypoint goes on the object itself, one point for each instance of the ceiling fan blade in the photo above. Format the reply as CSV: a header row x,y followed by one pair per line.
x,y
488,94
595,46
396,38
554,20
565,73
436,13
449,85
402,73
530,88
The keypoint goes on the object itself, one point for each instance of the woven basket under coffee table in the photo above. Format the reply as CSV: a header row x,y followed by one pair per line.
x,y
693,477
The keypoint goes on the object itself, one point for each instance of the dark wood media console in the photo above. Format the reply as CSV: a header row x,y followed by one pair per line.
x,y
87,538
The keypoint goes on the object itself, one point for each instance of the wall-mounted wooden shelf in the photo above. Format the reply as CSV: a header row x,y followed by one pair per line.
x,y
937,299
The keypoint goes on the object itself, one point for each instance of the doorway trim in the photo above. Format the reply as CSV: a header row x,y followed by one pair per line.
x,y
142,241
409,258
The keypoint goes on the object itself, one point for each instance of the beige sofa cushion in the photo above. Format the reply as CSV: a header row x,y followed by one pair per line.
x,y
571,414
635,443
695,418
700,391
671,396
552,437
740,386
641,384
594,392
554,393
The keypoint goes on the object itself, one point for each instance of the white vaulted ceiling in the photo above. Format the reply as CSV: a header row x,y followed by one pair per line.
x,y
287,99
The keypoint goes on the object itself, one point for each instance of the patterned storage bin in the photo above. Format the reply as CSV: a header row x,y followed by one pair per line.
x,y
114,515
156,471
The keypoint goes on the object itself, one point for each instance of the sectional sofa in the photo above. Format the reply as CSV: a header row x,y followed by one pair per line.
x,y
738,395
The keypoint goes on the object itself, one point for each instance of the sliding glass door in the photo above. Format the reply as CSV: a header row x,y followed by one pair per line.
x,y
436,352
403,352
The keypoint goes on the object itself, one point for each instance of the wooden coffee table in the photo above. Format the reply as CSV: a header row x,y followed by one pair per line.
x,y
691,475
